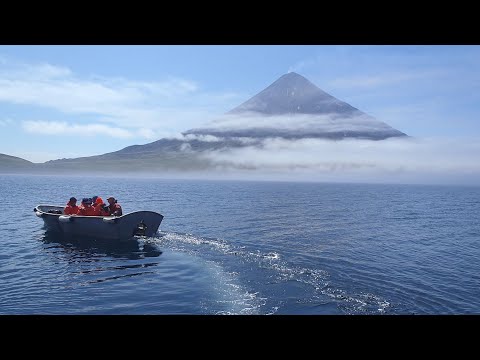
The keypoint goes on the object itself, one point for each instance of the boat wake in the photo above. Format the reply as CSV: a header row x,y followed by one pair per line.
x,y
274,285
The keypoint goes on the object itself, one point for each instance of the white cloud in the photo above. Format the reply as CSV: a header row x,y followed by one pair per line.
x,y
92,130
70,95
392,160
31,72
205,138
152,106
296,123
62,128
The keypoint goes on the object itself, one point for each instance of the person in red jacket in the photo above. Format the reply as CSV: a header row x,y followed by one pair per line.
x,y
100,208
114,208
86,209
71,208
96,199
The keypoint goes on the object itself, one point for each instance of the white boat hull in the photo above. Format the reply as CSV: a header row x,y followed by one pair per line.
x,y
123,227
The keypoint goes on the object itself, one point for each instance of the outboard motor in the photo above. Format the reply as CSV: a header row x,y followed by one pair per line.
x,y
141,229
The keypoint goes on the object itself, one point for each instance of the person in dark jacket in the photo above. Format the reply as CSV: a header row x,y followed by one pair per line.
x,y
114,208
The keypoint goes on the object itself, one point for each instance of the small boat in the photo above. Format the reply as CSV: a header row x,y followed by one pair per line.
x,y
127,226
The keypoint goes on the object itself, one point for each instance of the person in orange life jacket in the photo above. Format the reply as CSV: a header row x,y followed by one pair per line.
x,y
114,208
71,208
86,209
99,206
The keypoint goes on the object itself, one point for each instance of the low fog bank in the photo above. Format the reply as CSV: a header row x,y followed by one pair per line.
x,y
394,160
296,122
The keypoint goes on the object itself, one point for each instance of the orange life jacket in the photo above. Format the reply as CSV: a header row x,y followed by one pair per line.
x,y
86,210
70,210
100,211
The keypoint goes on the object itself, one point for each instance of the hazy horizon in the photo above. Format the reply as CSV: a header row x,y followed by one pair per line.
x,y
394,160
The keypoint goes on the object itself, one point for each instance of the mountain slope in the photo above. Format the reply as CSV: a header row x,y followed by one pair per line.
x,y
294,94
10,163
293,108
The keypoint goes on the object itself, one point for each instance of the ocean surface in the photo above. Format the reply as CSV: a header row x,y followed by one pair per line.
x,y
233,247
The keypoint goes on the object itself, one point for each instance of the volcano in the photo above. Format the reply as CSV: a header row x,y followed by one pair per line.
x,y
293,107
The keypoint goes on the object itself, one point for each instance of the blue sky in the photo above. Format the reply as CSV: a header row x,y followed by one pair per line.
x,y
72,101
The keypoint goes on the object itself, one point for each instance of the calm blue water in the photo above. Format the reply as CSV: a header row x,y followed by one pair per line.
x,y
246,248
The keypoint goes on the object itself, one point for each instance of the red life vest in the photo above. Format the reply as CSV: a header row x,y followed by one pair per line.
x,y
100,211
86,210
70,210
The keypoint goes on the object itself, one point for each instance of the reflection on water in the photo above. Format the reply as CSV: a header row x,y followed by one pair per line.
x,y
96,276
91,248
